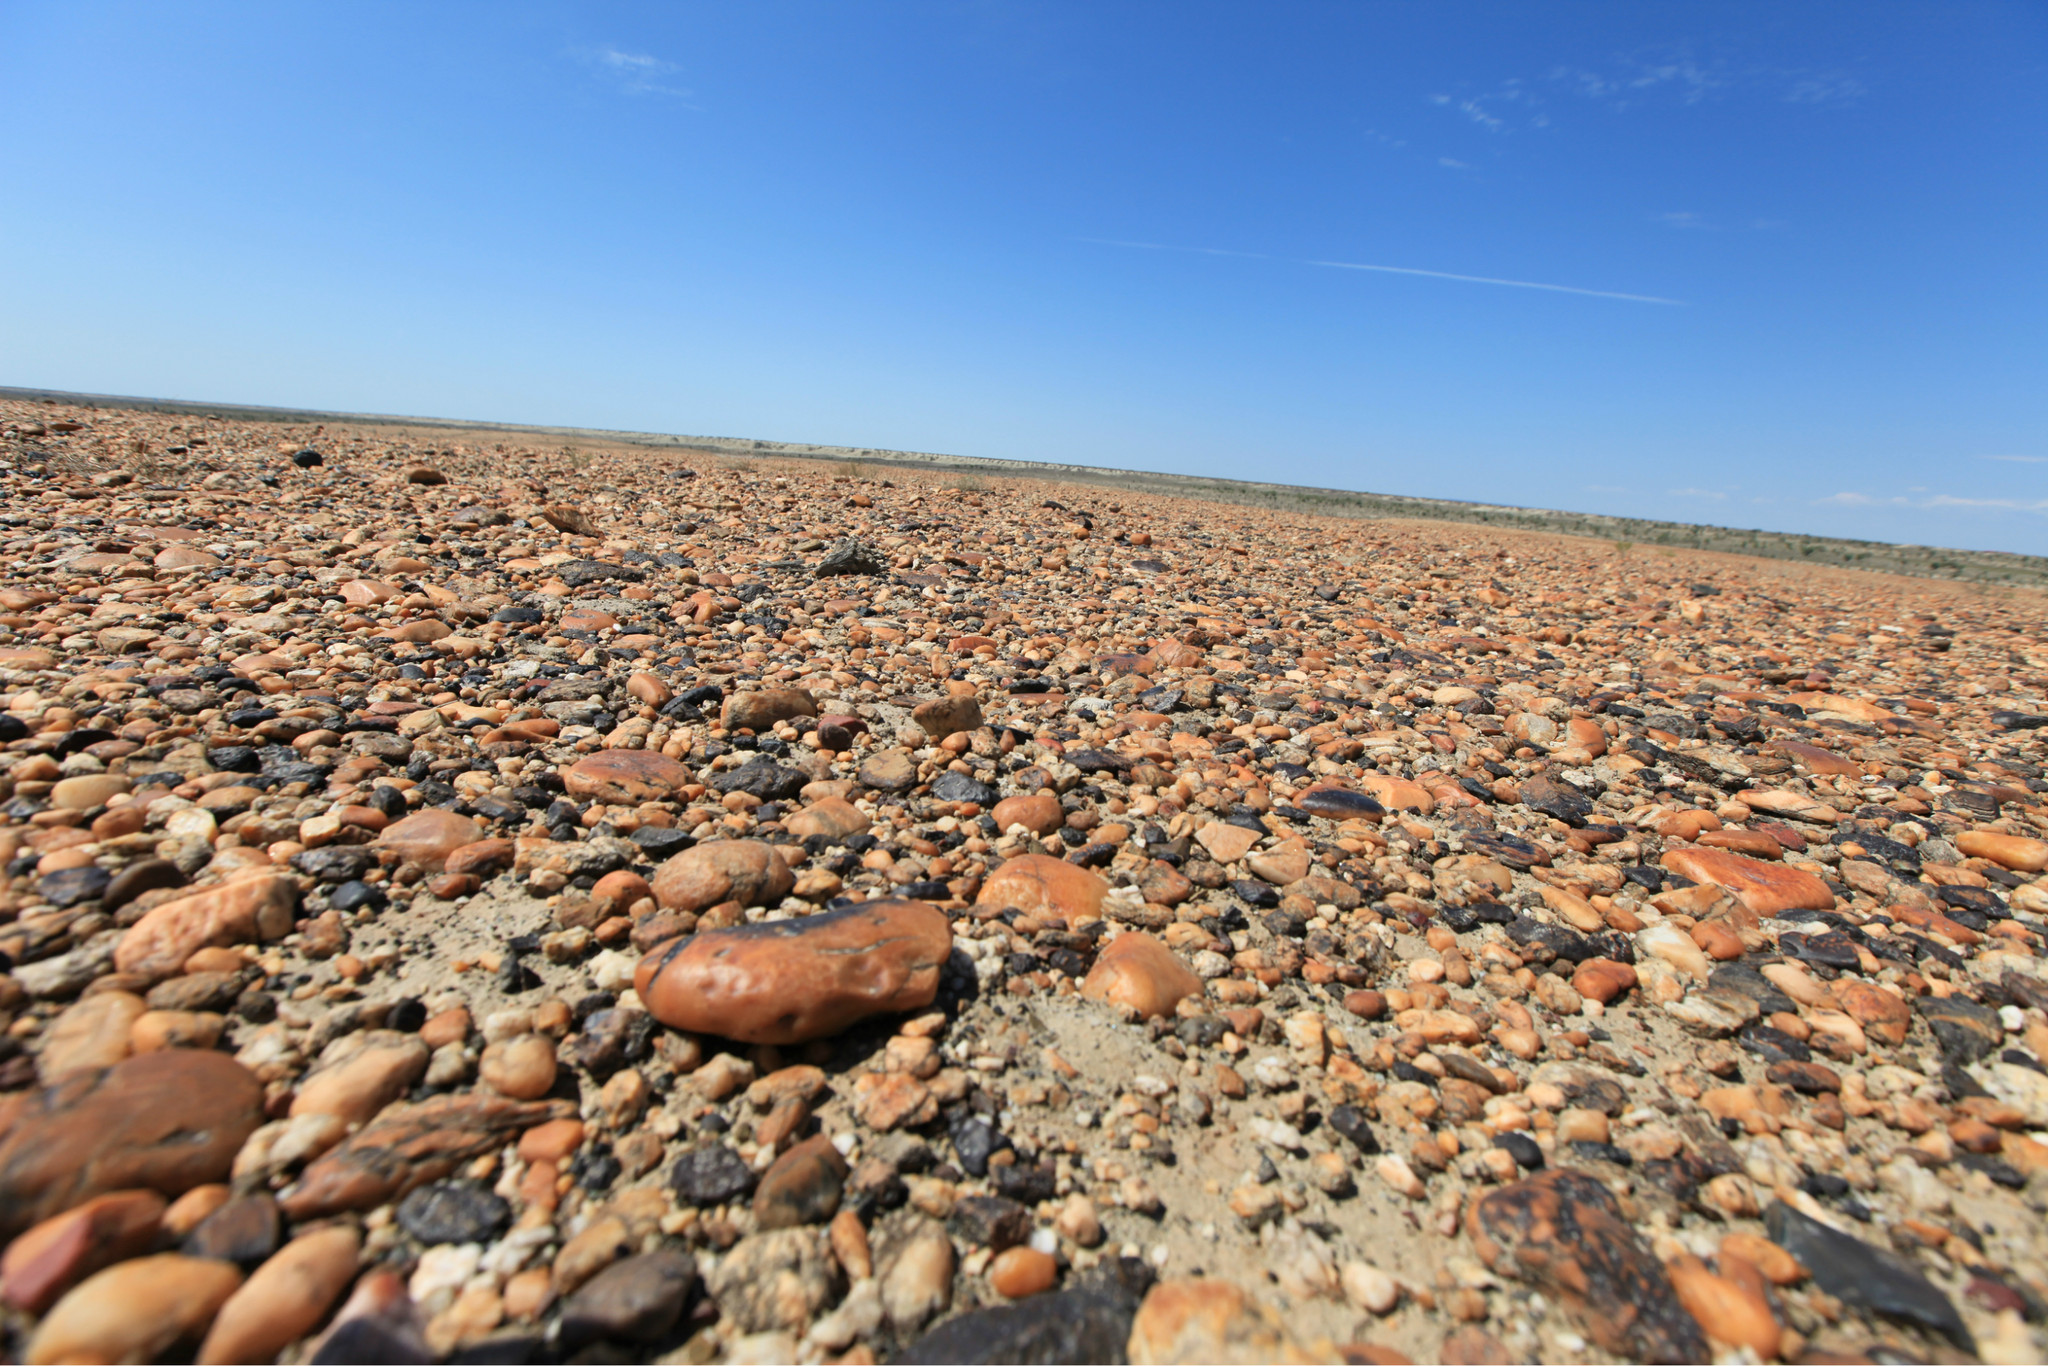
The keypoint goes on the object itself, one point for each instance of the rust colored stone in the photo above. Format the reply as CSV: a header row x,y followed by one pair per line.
x,y
787,981
1564,1232
747,871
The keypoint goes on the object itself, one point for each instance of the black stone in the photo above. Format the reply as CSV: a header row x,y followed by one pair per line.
x,y
1965,1029
1868,1277
1339,804
308,458
989,1221
713,1175
1088,1321
356,896
1739,979
1025,1185
74,886
763,778
335,863
958,787
144,875
234,759
453,1212
976,1140
850,557
660,842
1257,894
1349,1121
245,1231
1522,1148
1774,1045
1556,799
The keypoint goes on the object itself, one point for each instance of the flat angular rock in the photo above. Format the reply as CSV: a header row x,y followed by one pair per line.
x,y
1564,1233
409,1145
1089,1321
788,981
164,1121
1865,1276
943,716
1765,888
850,557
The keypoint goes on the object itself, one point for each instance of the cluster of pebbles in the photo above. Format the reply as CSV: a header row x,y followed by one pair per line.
x,y
480,904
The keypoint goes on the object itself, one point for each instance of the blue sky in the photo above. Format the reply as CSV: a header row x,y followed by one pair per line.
x,y
911,225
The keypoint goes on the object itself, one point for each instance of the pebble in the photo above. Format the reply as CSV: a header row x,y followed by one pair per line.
x,y
790,981
1139,973
284,1299
133,1311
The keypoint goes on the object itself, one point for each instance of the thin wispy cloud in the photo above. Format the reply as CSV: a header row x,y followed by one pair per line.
x,y
1687,221
1697,493
634,73
1636,78
1499,110
1392,270
1852,499
2018,459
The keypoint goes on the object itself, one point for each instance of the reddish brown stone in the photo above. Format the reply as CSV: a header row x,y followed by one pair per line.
x,y
1142,974
747,871
786,981
626,776
1040,885
761,710
1564,1232
408,1146
1765,888
1038,812
259,907
483,859
427,837
164,1121
1879,1011
62,1250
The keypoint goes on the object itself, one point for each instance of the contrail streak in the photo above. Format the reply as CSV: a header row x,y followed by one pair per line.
x,y
1395,270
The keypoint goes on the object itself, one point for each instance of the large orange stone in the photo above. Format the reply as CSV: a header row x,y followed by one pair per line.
x,y
1040,885
833,817
2016,852
1765,888
1138,971
623,776
747,871
258,907
1398,794
428,836
1038,812
789,981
